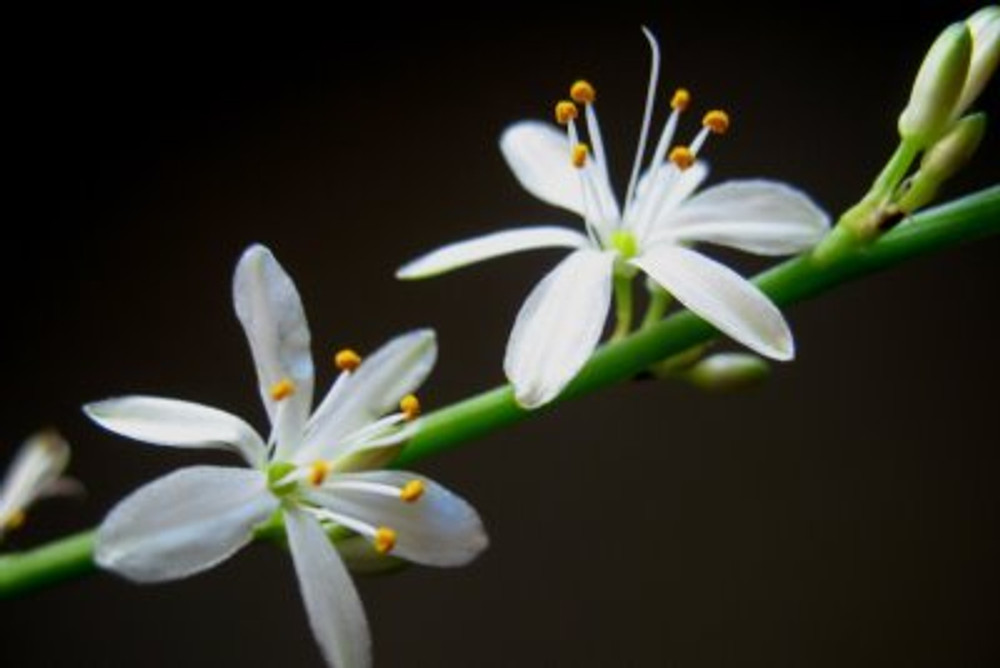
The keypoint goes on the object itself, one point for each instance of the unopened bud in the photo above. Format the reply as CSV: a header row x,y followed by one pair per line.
x,y
943,160
938,86
728,372
984,27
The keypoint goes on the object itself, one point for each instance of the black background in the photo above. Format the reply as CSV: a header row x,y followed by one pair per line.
x,y
843,514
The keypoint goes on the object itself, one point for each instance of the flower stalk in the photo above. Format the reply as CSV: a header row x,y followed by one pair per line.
x,y
972,217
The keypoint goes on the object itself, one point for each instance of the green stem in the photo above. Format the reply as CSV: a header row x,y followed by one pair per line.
x,y
659,300
800,278
863,221
623,306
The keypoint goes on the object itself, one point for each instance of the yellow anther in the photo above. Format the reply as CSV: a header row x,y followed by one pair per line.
x,y
410,406
347,360
680,100
412,491
385,540
16,520
283,389
579,155
682,157
717,121
582,92
566,111
318,472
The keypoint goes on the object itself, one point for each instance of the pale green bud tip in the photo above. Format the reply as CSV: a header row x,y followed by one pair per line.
x,y
984,26
943,160
950,153
729,372
938,86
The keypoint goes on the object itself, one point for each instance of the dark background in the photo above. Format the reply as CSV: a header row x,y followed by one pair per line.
x,y
844,514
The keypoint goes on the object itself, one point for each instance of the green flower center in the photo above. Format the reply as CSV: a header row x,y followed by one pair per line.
x,y
624,242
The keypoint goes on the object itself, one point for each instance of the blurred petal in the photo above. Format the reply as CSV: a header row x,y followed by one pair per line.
x,y
183,523
722,297
36,467
539,156
374,389
181,424
269,307
762,217
489,246
436,529
335,613
559,326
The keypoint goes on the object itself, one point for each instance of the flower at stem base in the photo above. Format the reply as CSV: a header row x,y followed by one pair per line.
x,y
312,469
652,231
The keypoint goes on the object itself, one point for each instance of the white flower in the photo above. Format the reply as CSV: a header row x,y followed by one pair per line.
x,y
561,322
307,469
34,474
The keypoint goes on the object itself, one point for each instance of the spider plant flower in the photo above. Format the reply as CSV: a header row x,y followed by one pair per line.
x,y
308,470
35,473
652,230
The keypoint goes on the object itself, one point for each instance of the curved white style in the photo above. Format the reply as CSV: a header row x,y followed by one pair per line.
x,y
309,469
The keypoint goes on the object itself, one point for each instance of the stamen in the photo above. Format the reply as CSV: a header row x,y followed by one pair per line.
x,y
717,121
17,518
410,406
318,472
579,155
566,111
582,92
385,540
682,157
347,360
412,491
283,389
681,99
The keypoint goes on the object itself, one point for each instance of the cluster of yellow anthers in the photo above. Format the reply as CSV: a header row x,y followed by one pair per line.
x,y
582,92
347,361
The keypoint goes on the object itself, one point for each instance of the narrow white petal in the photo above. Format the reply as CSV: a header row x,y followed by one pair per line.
x,y
559,326
35,469
657,197
268,305
389,374
181,424
183,523
437,529
489,246
335,613
539,156
763,217
721,296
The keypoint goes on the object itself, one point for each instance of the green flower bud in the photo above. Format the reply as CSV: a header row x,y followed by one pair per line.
x,y
984,26
728,372
943,160
938,86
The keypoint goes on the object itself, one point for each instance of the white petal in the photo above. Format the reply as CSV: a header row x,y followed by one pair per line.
x,y
35,469
181,424
539,156
721,296
335,613
489,246
269,307
437,529
389,374
657,197
183,523
559,326
762,217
